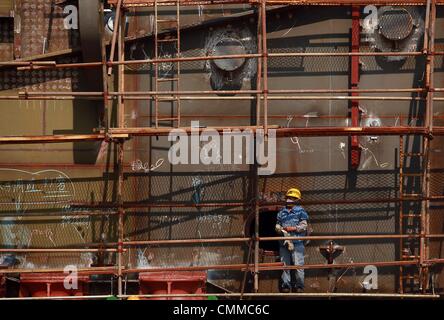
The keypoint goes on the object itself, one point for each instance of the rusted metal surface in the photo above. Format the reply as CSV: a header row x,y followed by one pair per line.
x,y
6,8
355,113
6,39
41,31
276,2
137,219
47,285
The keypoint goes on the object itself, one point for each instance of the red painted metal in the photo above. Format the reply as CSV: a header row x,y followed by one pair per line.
x,y
50,285
355,149
173,282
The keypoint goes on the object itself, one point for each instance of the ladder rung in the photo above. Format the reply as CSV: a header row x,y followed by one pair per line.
x,y
167,99
410,257
413,174
413,195
167,40
410,215
166,20
167,79
410,277
168,119
414,154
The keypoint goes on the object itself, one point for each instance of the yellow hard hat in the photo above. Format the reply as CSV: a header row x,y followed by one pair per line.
x,y
133,298
294,193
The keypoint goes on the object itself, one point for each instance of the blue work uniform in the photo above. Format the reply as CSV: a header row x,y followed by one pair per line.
x,y
292,218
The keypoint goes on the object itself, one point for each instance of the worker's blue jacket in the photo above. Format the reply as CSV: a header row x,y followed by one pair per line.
x,y
292,218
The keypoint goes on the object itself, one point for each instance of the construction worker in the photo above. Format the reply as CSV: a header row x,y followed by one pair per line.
x,y
292,222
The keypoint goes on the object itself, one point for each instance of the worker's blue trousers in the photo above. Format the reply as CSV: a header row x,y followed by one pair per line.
x,y
293,258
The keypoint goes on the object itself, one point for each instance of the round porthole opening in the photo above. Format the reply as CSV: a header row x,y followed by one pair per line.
x,y
229,46
395,24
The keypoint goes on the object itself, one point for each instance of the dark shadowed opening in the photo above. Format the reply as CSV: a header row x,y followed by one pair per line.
x,y
267,223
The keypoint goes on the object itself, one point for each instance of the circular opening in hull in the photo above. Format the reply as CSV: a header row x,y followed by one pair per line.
x,y
229,46
396,24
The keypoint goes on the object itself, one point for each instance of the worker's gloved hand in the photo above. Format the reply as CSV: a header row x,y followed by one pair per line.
x,y
280,229
289,244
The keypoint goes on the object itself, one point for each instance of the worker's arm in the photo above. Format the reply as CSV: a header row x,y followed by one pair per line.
x,y
278,228
279,218
301,227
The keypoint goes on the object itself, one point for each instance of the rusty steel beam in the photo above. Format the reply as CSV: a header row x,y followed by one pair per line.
x,y
59,138
262,267
271,206
120,30
125,133
148,3
290,132
151,131
277,266
346,131
265,54
116,31
57,250
81,271
429,45
167,96
290,98
28,65
344,265
150,96
70,95
263,204
31,62
247,239
328,295
129,205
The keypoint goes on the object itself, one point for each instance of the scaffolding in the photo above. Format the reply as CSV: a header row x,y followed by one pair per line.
x,y
413,242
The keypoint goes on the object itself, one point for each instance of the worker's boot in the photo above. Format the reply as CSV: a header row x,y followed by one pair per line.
x,y
298,290
285,290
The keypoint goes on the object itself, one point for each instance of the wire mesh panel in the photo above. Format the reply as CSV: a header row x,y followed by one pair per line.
x,y
121,204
